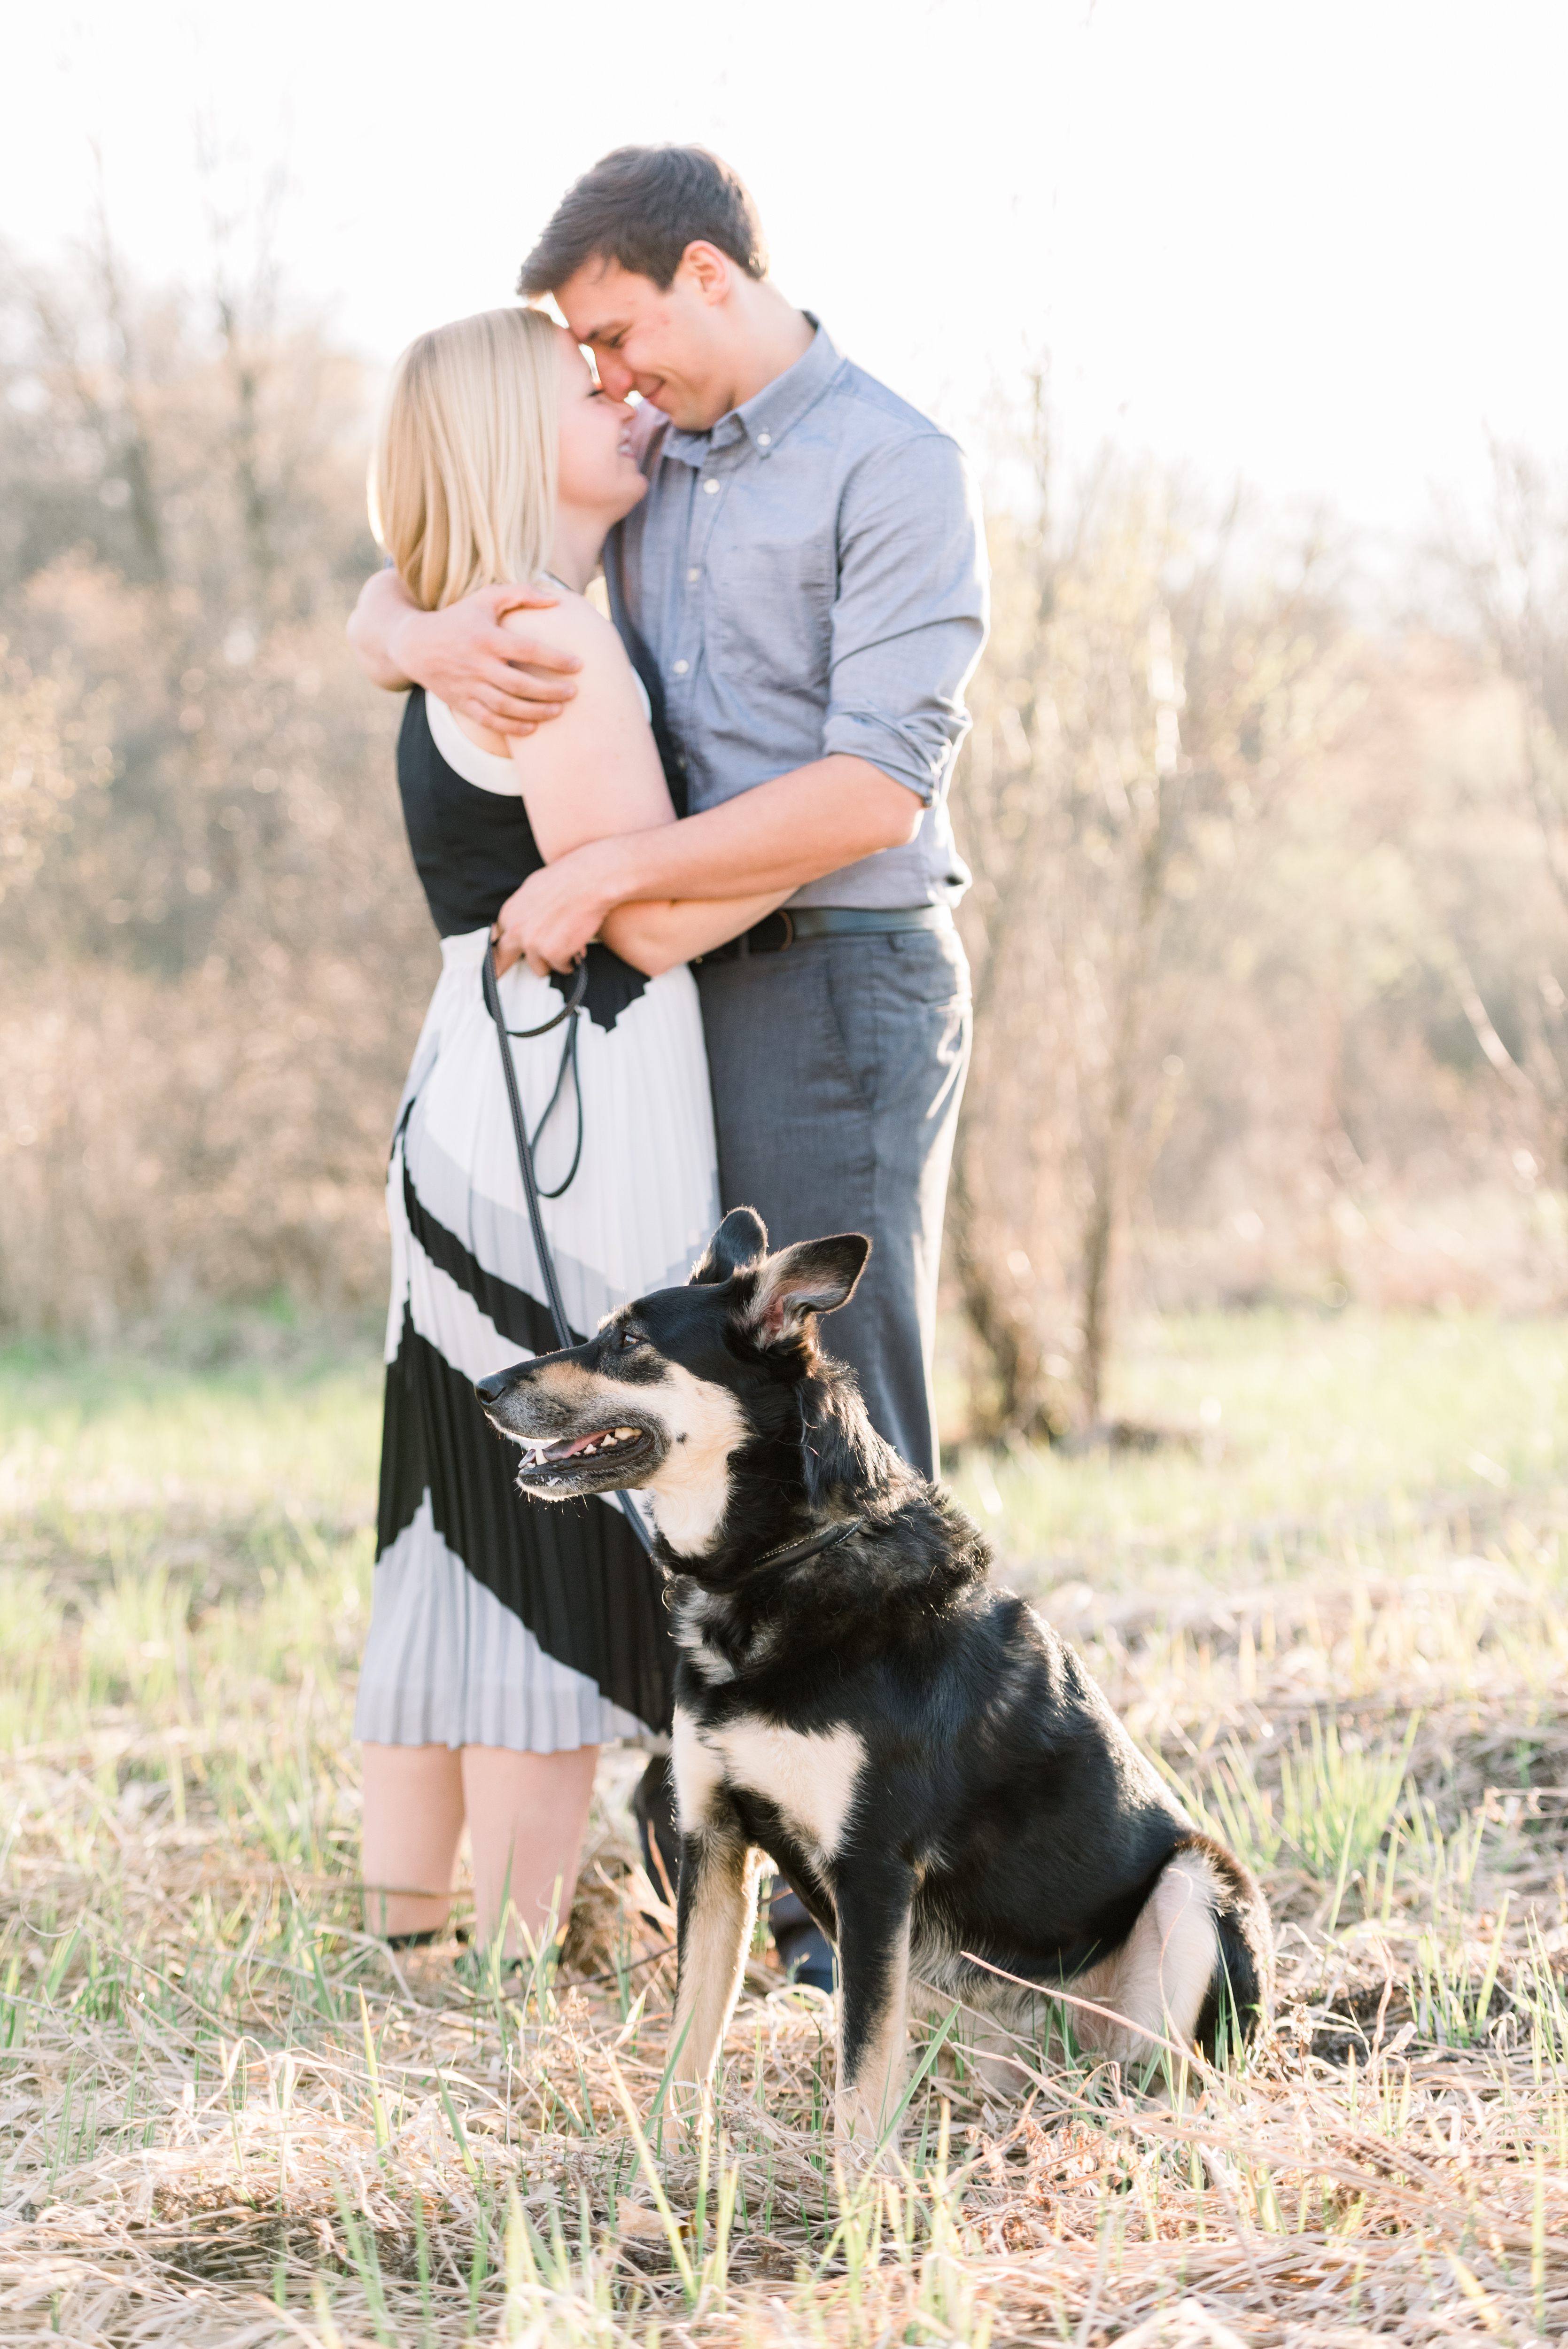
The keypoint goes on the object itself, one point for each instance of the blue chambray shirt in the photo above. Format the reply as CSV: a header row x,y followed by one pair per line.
x,y
810,576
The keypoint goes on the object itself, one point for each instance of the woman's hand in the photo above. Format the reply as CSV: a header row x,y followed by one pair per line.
x,y
552,920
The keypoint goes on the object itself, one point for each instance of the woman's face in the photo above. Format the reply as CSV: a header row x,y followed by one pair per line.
x,y
598,473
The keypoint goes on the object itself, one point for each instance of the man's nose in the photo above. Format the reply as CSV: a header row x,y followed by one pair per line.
x,y
615,375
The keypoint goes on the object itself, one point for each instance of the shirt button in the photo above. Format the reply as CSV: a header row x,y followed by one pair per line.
x,y
680,669
765,440
712,488
694,572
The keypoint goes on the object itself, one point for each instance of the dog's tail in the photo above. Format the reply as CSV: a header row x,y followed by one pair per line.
x,y
1241,1992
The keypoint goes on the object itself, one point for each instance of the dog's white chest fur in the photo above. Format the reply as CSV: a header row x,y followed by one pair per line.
x,y
810,1777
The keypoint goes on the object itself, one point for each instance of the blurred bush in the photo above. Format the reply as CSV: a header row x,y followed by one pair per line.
x,y
214,954
1268,935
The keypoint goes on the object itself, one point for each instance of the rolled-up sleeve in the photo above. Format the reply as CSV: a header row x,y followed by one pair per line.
x,y
910,617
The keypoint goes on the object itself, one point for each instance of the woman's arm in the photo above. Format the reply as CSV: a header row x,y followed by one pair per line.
x,y
600,777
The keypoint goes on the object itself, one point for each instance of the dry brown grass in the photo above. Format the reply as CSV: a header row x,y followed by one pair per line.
x,y
228,2117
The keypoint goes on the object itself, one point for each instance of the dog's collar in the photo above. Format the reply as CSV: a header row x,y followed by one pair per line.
x,y
795,1551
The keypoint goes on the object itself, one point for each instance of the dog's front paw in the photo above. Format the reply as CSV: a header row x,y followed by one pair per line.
x,y
862,2139
688,2099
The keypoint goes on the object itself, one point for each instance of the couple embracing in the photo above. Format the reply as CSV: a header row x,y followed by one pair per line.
x,y
730,809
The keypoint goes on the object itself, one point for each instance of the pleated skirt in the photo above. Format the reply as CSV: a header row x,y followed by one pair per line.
x,y
497,1619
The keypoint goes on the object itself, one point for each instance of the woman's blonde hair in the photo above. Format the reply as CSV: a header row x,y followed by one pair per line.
x,y
462,483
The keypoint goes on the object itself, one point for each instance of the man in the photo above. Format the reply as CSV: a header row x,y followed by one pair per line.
x,y
804,589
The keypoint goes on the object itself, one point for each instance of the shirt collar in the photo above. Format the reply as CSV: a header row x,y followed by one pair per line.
x,y
770,413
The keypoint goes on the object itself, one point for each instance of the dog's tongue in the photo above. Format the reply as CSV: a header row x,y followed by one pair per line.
x,y
579,1444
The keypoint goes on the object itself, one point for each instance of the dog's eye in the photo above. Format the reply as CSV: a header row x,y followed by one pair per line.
x,y
626,1341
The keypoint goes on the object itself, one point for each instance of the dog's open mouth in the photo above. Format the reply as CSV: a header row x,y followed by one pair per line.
x,y
602,1447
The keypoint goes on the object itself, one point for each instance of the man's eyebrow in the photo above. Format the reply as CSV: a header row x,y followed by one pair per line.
x,y
596,334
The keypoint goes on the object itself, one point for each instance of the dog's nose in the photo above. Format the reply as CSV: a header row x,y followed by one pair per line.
x,y
491,1390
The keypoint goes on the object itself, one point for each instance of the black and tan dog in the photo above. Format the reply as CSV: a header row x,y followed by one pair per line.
x,y
930,1765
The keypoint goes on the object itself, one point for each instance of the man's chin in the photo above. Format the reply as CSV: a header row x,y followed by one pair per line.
x,y
685,411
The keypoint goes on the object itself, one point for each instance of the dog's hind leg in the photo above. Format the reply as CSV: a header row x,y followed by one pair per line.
x,y
1241,1992
1159,1980
873,1915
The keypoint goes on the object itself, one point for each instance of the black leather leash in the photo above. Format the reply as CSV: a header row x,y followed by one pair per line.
x,y
564,1337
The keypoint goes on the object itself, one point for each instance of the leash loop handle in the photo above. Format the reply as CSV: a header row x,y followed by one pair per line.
x,y
564,1337
572,1003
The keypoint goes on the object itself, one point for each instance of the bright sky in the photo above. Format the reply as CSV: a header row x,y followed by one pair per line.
x,y
1320,246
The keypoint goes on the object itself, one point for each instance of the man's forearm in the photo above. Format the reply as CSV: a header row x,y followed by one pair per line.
x,y
384,601
773,838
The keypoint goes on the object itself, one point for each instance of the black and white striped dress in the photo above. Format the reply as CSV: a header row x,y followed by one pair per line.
x,y
498,1620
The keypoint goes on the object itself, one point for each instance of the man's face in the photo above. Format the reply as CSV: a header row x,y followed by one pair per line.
x,y
667,347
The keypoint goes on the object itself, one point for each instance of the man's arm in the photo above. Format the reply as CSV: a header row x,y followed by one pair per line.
x,y
770,840
909,621
462,655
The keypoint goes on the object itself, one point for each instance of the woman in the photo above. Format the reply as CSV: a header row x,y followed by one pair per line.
x,y
507,1640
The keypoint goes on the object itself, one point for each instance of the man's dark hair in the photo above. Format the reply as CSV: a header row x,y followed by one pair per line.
x,y
642,206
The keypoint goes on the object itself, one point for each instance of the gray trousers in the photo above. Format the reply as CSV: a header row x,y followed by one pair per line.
x,y
838,1067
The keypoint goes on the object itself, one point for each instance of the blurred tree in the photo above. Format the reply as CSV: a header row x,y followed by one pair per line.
x,y
206,886
1141,720
1511,577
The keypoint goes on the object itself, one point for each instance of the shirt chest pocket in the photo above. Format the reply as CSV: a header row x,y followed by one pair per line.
x,y
771,575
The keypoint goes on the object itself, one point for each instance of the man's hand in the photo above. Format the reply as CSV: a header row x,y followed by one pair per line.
x,y
557,911
462,654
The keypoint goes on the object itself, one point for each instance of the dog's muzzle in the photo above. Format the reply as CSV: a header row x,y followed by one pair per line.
x,y
586,1442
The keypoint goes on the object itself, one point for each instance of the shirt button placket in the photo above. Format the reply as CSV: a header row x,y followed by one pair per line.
x,y
702,530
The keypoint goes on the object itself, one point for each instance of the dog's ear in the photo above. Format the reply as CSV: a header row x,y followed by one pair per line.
x,y
740,1241
813,1277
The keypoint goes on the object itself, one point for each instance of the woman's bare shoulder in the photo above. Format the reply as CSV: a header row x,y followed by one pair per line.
x,y
607,690
573,626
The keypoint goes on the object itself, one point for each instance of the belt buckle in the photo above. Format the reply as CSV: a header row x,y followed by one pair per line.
x,y
787,919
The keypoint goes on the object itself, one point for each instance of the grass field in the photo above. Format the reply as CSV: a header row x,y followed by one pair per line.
x,y
1331,1603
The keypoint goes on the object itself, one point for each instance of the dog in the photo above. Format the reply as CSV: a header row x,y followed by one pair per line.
x,y
930,1765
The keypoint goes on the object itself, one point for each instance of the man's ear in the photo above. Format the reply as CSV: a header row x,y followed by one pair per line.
x,y
740,1241
710,271
813,1277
